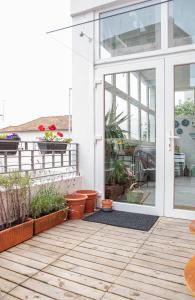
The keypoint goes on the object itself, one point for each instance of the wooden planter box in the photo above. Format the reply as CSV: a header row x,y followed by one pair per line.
x,y
49,221
15,235
49,147
8,146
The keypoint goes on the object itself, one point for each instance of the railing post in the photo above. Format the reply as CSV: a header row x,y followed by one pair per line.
x,y
19,160
5,162
77,159
43,161
69,158
62,159
32,159
53,159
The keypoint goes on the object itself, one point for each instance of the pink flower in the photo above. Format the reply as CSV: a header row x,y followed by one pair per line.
x,y
52,127
41,127
60,134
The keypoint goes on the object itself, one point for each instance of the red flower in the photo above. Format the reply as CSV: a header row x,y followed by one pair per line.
x,y
60,134
41,127
52,127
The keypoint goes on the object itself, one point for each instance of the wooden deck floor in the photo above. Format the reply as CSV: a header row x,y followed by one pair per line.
x,y
80,260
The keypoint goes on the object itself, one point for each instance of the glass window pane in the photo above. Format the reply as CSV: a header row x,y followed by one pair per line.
x,y
121,82
132,30
108,101
143,93
134,85
134,122
121,105
144,126
181,22
152,129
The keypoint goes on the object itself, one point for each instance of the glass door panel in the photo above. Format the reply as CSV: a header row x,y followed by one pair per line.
x,y
184,156
130,137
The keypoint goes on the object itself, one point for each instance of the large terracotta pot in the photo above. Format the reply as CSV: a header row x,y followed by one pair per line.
x,y
15,235
49,221
90,201
189,275
76,203
192,226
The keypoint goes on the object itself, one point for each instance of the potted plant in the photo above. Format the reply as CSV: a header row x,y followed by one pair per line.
x,y
15,224
48,209
129,147
116,179
52,140
9,143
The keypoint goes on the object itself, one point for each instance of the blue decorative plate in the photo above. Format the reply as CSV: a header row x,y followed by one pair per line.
x,y
176,124
185,122
179,131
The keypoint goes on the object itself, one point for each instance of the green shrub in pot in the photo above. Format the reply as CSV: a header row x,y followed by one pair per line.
x,y
47,200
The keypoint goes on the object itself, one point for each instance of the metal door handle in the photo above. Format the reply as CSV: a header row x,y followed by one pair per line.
x,y
171,141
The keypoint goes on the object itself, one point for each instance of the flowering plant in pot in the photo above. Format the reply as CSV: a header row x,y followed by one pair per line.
x,y
48,209
9,143
15,224
52,140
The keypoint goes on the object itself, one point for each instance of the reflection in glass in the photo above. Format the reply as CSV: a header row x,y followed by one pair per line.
x,y
181,22
130,137
127,31
184,157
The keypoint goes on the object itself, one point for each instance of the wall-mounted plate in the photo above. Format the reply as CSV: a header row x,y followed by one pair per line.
x,y
176,124
185,122
179,131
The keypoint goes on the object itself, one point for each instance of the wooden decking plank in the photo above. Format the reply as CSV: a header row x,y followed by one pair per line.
x,y
69,243
91,265
117,239
155,273
52,241
17,267
85,255
163,255
45,246
6,286
32,255
84,279
120,254
23,260
169,233
86,271
69,286
68,234
110,296
37,250
12,276
156,281
173,242
130,293
25,293
130,247
161,261
157,267
152,289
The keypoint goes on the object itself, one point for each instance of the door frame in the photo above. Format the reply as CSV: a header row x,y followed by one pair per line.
x,y
170,63
100,72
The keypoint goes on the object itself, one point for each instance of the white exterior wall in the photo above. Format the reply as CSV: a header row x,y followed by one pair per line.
x,y
34,135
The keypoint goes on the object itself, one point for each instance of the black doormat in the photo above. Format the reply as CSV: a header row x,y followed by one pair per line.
x,y
123,219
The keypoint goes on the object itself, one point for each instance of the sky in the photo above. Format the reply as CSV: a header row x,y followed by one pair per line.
x,y
35,69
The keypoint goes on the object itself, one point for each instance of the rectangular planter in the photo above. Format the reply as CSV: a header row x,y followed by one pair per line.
x,y
49,147
15,235
8,146
49,221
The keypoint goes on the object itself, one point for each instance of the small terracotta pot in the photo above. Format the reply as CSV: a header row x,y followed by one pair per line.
x,y
107,205
15,235
76,203
192,226
46,222
189,275
90,201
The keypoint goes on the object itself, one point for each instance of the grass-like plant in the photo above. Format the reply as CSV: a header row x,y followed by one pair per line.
x,y
46,201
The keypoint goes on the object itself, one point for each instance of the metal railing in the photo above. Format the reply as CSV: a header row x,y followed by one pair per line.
x,y
39,158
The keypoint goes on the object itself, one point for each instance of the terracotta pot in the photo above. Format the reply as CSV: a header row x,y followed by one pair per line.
x,y
107,205
76,204
192,226
113,191
189,275
49,221
15,235
90,203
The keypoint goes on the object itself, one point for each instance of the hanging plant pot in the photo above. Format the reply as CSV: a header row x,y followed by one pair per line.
x,y
9,146
76,203
15,235
47,147
90,201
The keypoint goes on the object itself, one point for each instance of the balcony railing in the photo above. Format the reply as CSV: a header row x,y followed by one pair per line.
x,y
39,162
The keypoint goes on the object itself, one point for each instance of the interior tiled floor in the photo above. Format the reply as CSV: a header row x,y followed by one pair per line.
x,y
79,260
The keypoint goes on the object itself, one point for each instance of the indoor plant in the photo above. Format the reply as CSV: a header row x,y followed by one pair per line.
x,y
117,179
48,209
15,225
129,147
9,143
52,140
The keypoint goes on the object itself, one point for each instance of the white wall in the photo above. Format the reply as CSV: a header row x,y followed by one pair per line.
x,y
83,98
78,7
